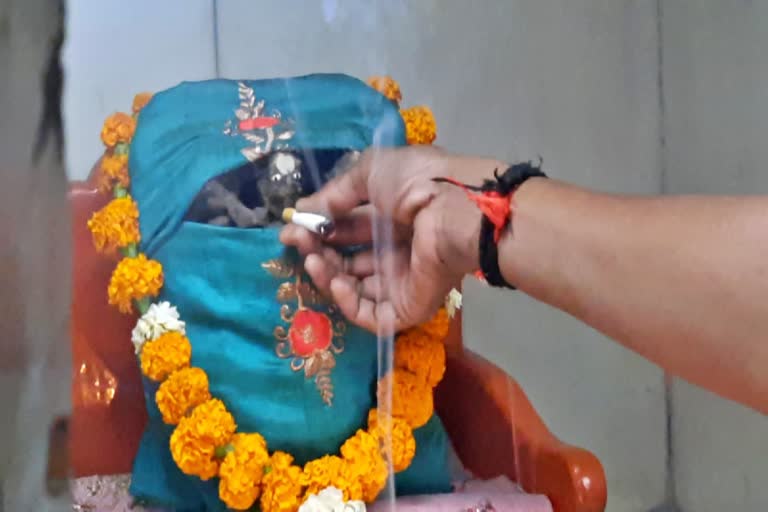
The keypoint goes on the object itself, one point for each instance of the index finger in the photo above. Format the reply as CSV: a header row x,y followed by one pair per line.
x,y
342,194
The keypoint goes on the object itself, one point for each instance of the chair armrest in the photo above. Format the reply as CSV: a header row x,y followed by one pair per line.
x,y
496,431
108,412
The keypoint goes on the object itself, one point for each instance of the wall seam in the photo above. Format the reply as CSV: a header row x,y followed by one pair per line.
x,y
670,484
216,54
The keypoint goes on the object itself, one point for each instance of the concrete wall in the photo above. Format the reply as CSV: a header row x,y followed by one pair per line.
x,y
572,80
715,72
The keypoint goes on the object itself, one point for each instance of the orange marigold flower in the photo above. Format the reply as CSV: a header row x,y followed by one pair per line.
x,y
281,485
184,390
113,171
386,86
165,355
421,354
195,439
363,453
332,471
118,128
115,226
134,279
411,397
420,126
241,471
403,442
437,327
140,101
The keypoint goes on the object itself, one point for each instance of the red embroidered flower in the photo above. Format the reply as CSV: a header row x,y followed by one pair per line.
x,y
310,332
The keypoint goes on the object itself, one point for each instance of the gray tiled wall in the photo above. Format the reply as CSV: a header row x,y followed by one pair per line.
x,y
716,124
573,81
576,81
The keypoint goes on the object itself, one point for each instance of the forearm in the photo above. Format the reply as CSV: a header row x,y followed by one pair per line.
x,y
682,281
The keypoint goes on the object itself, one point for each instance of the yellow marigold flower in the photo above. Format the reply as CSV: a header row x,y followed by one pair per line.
x,y
241,471
403,442
281,485
140,101
118,128
165,355
421,354
411,397
437,327
195,439
386,86
332,471
420,126
184,390
115,226
113,171
134,279
363,453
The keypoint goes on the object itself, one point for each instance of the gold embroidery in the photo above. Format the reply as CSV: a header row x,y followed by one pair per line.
x,y
278,268
311,339
264,131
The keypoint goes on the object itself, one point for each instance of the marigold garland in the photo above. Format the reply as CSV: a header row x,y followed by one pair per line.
x,y
420,126
386,86
184,390
134,279
331,471
411,397
165,355
118,128
421,354
403,444
113,172
438,326
242,470
115,226
140,101
363,453
205,442
197,436
281,486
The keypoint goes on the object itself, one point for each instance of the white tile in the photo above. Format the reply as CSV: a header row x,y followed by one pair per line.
x,y
715,75
720,453
573,81
116,49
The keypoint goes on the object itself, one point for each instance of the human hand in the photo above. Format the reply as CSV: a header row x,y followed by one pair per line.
x,y
434,230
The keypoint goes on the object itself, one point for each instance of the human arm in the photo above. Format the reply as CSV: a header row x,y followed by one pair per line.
x,y
680,280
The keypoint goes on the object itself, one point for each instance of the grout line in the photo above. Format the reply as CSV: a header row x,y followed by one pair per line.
x,y
662,107
670,484
216,53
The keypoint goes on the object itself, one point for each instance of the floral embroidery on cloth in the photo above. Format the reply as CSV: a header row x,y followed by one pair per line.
x,y
311,339
264,131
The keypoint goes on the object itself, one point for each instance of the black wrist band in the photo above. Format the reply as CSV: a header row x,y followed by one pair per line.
x,y
494,199
504,186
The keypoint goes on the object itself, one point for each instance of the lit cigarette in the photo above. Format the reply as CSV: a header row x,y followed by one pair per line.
x,y
314,222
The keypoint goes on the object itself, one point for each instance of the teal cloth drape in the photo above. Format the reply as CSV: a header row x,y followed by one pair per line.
x,y
228,301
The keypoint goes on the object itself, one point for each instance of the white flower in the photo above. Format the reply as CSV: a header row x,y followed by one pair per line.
x,y
453,302
159,319
331,499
